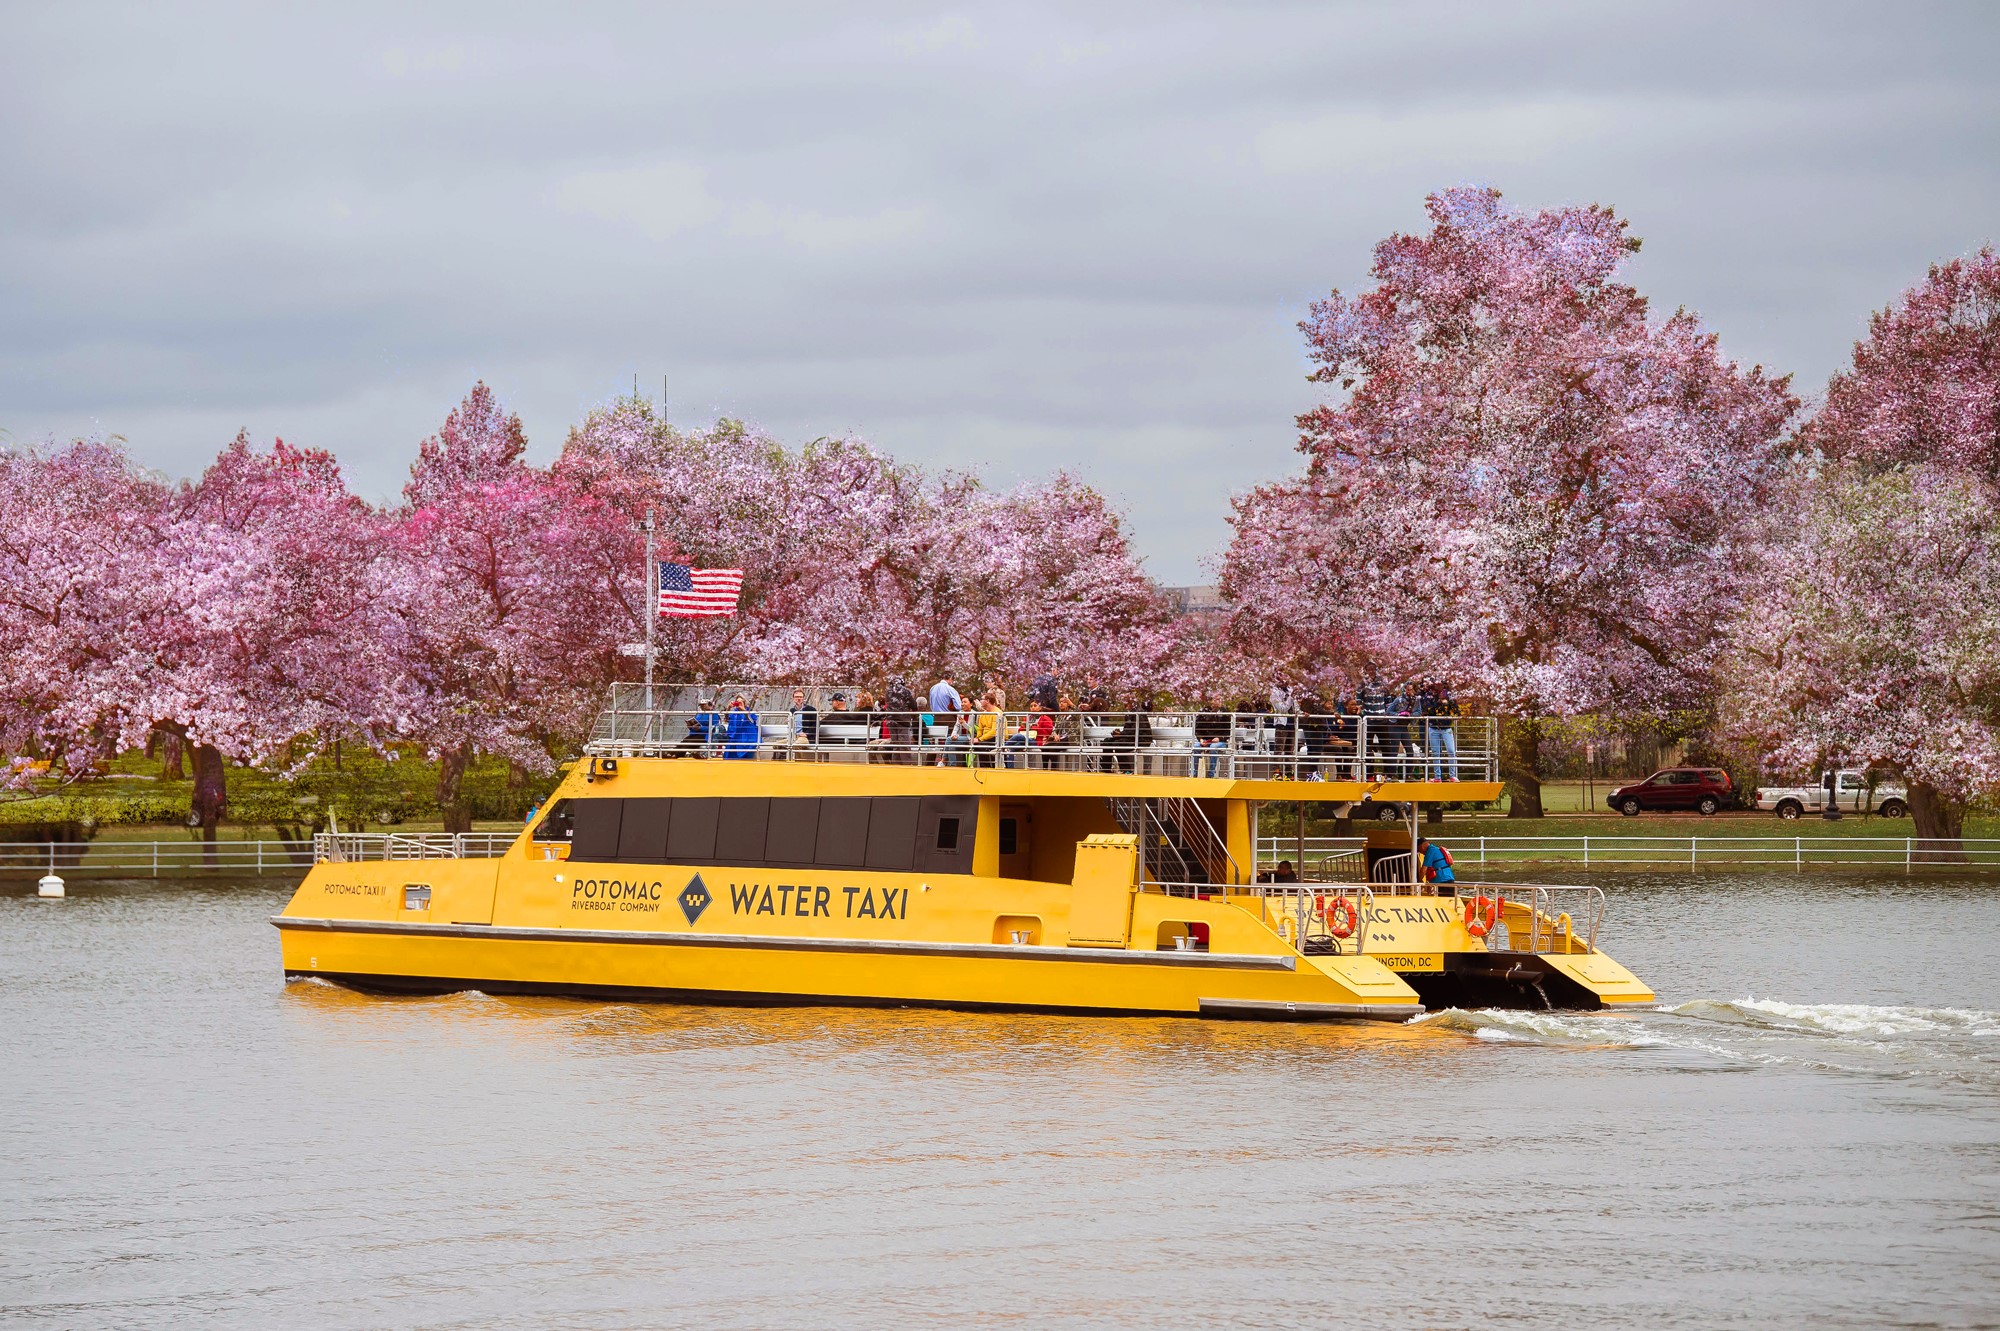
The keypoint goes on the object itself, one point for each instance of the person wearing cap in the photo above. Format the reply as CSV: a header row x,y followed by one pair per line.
x,y
704,728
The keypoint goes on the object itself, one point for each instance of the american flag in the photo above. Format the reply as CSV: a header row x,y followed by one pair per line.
x,y
695,592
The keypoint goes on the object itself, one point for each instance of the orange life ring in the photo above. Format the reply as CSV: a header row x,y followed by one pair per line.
x,y
1342,917
1482,914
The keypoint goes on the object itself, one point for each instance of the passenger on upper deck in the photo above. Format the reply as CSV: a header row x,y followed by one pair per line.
x,y
944,698
1441,743
704,728
901,704
805,719
1066,734
986,731
741,730
1211,738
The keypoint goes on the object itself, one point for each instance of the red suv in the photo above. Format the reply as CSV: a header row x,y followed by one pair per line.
x,y
1703,789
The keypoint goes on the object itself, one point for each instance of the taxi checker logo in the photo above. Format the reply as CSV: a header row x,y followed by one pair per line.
x,y
694,899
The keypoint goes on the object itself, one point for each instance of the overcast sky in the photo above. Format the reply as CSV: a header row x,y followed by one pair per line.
x,y
1005,241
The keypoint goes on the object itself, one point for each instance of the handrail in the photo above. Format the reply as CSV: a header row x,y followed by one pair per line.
x,y
1201,837
1545,904
1235,745
1302,905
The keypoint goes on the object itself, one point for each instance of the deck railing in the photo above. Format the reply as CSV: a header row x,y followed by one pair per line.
x,y
1168,742
346,847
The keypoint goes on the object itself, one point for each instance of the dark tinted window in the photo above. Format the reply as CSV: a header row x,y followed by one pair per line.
x,y
843,833
642,836
892,833
931,834
596,836
691,833
792,832
1010,837
739,831
945,827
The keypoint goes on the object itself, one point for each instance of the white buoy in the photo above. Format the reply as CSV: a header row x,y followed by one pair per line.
x,y
50,886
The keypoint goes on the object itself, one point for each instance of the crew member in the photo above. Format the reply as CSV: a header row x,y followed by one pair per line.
x,y
1436,862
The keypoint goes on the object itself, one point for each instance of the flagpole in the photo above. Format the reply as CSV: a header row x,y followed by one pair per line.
x,y
652,614
652,604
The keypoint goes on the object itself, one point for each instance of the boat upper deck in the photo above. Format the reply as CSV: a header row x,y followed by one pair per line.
x,y
1208,754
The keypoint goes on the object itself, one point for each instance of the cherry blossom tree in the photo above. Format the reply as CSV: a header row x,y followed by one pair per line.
x,y
79,526
506,595
268,626
858,567
1523,483
1878,642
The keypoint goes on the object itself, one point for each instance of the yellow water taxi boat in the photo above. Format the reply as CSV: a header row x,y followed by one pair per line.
x,y
887,860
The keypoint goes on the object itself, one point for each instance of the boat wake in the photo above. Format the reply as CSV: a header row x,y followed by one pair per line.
x,y
1959,1045
1582,1029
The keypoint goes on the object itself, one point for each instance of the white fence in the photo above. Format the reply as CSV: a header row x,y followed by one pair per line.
x,y
1688,852
159,859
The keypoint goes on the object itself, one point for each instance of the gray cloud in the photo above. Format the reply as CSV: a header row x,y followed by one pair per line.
x,y
1007,241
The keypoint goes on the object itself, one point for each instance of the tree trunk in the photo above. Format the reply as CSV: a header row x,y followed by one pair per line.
x,y
451,776
1939,825
1520,751
172,747
211,796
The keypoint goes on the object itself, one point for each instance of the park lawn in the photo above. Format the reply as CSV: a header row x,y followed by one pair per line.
x,y
364,790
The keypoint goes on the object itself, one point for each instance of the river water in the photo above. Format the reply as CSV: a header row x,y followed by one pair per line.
x,y
1809,1135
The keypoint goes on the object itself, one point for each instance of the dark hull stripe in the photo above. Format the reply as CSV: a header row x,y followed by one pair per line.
x,y
873,947
417,984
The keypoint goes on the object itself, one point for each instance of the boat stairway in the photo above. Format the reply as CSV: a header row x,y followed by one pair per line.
x,y
1178,847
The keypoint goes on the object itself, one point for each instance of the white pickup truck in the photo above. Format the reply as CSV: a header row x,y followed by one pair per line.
x,y
1854,796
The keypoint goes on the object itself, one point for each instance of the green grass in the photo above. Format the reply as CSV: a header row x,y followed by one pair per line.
x,y
135,801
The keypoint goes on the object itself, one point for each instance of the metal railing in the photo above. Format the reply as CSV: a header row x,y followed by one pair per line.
x,y
1302,913
349,847
1232,745
153,859
1542,917
1688,852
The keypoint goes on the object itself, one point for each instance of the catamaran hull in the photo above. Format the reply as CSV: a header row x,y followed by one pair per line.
x,y
434,959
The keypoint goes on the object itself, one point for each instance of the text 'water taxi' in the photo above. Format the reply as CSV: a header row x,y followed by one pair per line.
x,y
887,860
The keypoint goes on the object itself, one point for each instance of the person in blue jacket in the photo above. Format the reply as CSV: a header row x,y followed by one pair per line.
x,y
740,730
1436,862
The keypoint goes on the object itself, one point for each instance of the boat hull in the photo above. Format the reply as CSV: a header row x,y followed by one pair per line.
x,y
608,964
